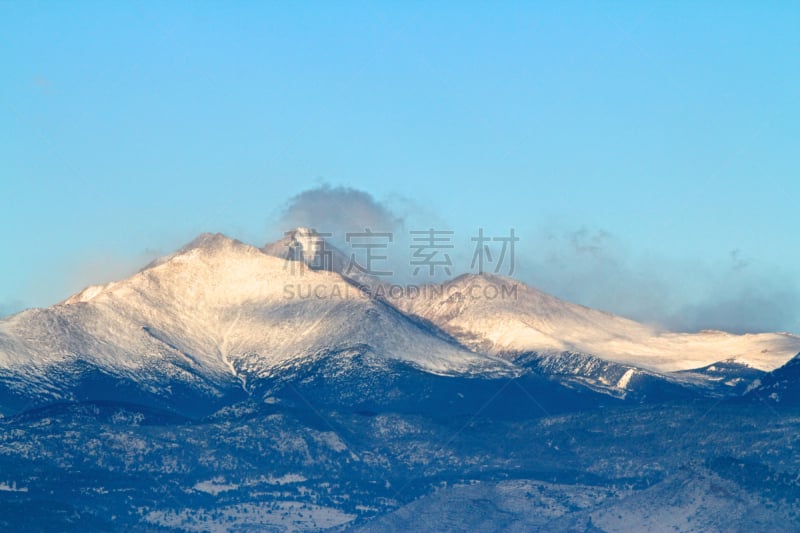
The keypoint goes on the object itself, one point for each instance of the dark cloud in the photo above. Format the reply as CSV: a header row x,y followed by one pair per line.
x,y
338,210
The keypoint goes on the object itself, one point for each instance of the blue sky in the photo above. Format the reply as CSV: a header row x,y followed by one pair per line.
x,y
643,151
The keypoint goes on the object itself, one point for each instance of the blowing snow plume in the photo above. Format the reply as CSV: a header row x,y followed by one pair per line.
x,y
338,214
338,210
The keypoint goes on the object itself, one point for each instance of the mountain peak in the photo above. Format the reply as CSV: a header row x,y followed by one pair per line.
x,y
308,239
206,242
210,241
311,247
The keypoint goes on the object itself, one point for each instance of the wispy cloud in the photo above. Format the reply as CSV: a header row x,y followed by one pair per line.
x,y
586,265
11,306
733,293
744,299
98,269
590,267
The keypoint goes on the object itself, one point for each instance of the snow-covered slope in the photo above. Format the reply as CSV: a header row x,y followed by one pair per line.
x,y
782,385
219,315
217,312
224,389
504,316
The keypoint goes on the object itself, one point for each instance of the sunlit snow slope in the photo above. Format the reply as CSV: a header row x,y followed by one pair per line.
x,y
502,316
218,314
214,306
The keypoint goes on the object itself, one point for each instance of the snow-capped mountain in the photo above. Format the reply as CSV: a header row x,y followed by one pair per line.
x,y
224,387
220,320
210,318
505,317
